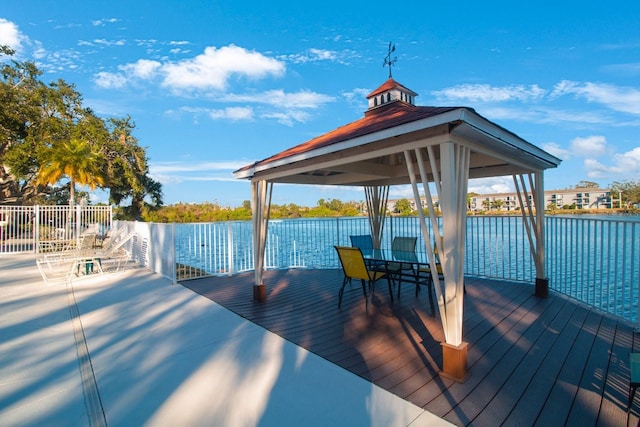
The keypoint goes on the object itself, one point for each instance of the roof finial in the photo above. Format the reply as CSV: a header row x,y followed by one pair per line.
x,y
388,60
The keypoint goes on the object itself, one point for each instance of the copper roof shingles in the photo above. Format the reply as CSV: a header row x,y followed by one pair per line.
x,y
387,117
388,85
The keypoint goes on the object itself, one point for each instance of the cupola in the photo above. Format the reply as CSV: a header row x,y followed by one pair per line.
x,y
390,92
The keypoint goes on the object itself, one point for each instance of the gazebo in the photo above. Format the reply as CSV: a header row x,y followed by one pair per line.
x,y
397,142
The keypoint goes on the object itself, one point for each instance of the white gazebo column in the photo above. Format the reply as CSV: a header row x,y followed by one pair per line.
x,y
454,175
451,183
377,198
260,206
534,224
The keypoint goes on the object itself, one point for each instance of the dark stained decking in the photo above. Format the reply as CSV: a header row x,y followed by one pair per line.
x,y
531,361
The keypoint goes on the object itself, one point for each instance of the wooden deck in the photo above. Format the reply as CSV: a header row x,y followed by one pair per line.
x,y
532,361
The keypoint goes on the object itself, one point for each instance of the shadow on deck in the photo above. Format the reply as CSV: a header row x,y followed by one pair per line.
x,y
532,361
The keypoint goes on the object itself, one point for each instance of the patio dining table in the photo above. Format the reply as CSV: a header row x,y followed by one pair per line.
x,y
403,266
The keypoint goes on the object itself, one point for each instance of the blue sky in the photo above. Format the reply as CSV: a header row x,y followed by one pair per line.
x,y
215,85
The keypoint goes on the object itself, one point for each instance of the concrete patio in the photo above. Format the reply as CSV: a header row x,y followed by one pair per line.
x,y
130,348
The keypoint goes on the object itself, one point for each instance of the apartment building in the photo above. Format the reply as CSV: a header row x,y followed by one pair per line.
x,y
578,198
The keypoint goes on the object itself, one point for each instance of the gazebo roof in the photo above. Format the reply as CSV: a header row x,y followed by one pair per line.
x,y
370,151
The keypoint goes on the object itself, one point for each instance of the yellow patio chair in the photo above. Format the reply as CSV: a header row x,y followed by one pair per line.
x,y
354,267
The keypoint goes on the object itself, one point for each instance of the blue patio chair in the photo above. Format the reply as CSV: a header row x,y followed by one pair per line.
x,y
362,241
403,248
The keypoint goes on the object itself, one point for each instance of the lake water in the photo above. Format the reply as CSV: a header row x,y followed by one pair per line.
x,y
590,257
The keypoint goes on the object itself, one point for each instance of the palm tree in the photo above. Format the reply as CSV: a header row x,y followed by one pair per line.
x,y
74,159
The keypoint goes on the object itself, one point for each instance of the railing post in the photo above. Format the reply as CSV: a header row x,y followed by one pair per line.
x,y
36,229
230,248
174,265
637,327
78,219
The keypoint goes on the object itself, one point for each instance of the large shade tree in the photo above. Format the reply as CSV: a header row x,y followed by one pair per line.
x,y
127,171
49,142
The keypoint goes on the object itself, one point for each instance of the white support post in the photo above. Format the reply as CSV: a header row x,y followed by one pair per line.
x,y
454,162
261,197
423,226
376,198
539,202
451,181
534,225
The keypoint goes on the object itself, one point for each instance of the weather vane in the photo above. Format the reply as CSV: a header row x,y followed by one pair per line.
x,y
388,60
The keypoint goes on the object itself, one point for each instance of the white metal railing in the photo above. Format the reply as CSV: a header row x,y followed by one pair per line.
x,y
596,261
593,260
44,228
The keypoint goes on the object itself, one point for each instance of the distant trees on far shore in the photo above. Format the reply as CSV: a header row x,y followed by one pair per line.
x,y
212,211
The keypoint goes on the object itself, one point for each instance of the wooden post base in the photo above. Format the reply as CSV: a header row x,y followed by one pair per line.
x,y
259,293
542,288
454,361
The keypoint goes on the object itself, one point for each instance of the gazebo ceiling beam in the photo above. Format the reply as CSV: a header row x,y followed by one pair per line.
x,y
357,165
342,158
371,173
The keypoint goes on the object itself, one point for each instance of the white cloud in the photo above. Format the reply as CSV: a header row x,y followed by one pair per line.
x,y
11,36
209,73
357,97
629,161
630,69
278,97
556,150
622,166
210,70
287,117
317,55
103,22
177,51
213,68
312,55
597,170
110,80
487,93
618,98
192,166
545,115
105,42
232,113
177,172
492,185
589,146
229,113
142,69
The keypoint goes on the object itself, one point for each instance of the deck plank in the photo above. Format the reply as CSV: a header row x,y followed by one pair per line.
x,y
503,402
566,387
545,361
527,409
616,392
532,354
588,401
